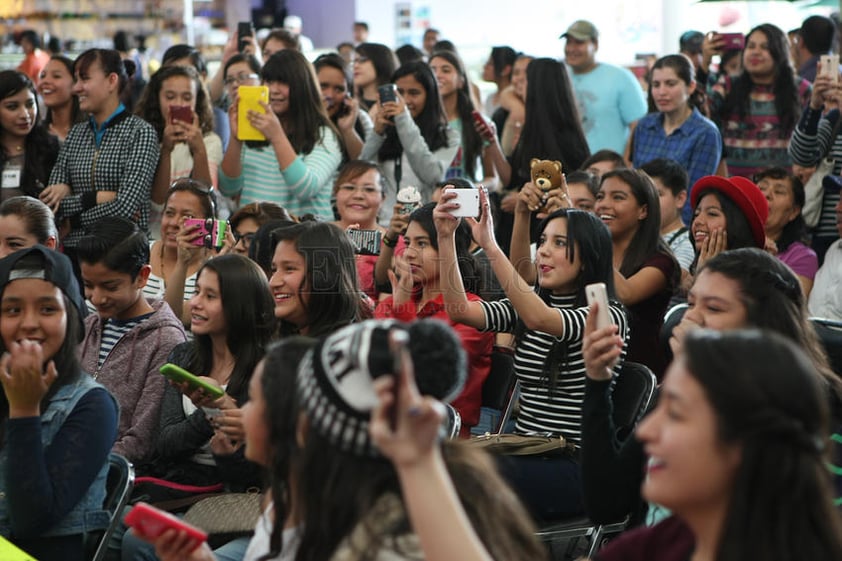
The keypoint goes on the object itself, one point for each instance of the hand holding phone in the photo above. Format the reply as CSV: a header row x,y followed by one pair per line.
x,y
366,242
244,29
597,293
183,113
149,523
211,233
830,67
468,200
387,93
249,100
182,376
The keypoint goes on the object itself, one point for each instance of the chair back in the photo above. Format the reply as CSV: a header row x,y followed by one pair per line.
x,y
118,488
452,423
672,318
498,386
634,390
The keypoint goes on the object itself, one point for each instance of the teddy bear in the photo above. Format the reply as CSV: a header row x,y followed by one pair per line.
x,y
546,175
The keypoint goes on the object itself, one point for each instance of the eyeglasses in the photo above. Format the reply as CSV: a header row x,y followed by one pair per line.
x,y
245,238
197,187
359,59
240,78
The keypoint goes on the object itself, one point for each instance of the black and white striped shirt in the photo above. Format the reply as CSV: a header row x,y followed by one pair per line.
x,y
544,411
113,330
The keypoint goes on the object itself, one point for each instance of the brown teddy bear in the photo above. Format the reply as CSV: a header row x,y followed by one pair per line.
x,y
546,175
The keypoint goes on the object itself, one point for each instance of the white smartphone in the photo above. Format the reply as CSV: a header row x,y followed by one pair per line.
x,y
830,67
468,200
597,293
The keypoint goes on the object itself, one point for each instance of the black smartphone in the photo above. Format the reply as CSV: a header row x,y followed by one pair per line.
x,y
366,242
244,29
387,92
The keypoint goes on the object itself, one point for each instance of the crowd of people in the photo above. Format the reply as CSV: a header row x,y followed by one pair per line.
x,y
330,294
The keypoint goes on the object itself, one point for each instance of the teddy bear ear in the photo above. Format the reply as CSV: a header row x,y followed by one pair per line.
x,y
557,165
534,162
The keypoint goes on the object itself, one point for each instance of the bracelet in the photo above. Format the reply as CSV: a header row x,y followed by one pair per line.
x,y
390,243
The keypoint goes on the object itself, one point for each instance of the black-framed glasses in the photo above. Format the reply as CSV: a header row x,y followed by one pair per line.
x,y
240,78
245,238
197,187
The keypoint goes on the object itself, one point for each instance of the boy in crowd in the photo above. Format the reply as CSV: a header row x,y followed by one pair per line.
x,y
128,339
671,180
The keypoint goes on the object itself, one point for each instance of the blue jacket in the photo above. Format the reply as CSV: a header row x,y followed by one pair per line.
x,y
87,514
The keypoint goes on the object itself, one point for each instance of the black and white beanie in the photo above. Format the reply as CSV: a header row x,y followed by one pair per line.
x,y
335,379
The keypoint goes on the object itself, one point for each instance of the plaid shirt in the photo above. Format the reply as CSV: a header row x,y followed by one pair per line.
x,y
125,162
696,145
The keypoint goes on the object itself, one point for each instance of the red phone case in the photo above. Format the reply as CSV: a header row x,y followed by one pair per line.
x,y
181,113
150,522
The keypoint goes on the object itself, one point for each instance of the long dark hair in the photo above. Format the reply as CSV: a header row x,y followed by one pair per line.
x,y
552,129
647,240
738,234
40,147
149,106
471,140
247,307
468,268
683,68
281,417
432,121
587,235
306,118
780,506
785,86
330,277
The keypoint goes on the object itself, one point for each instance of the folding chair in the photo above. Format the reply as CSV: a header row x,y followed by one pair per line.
x,y
498,388
118,488
633,393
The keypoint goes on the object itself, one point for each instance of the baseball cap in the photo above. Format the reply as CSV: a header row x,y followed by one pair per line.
x,y
581,30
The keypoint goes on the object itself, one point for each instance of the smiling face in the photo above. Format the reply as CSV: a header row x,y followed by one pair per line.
x,y
17,114
413,94
714,302
254,420
556,272
707,217
278,97
757,58
618,208
519,76
55,84
782,207
671,93
114,294
177,90
289,285
359,200
580,55
180,205
207,316
239,74
95,89
447,76
690,470
334,88
33,309
422,257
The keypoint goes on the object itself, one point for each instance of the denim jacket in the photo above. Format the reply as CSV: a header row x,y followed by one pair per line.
x,y
88,514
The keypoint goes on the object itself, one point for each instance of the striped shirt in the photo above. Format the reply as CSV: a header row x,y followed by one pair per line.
x,y
757,140
544,411
303,187
113,330
810,143
155,288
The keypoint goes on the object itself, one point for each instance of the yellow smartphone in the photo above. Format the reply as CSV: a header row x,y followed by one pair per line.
x,y
249,98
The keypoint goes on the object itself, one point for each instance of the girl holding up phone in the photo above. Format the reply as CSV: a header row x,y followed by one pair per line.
x,y
574,250
177,104
411,142
303,149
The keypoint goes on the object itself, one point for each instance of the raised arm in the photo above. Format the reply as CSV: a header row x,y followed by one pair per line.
x,y
531,309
